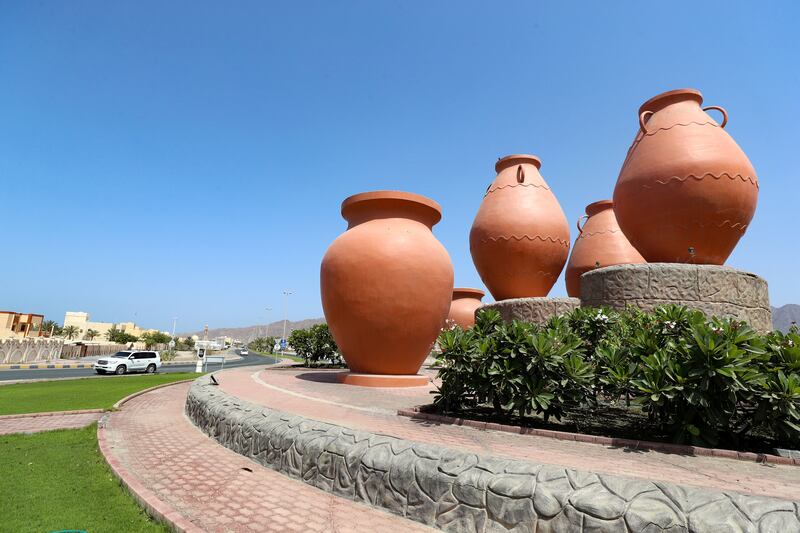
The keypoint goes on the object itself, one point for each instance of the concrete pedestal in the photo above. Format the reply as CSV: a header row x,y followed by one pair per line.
x,y
715,290
537,310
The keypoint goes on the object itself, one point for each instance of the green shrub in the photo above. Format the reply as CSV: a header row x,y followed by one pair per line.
x,y
315,345
700,380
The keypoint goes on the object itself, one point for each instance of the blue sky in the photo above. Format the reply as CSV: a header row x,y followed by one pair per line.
x,y
188,159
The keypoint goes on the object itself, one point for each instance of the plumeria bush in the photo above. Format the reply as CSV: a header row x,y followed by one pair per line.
x,y
699,380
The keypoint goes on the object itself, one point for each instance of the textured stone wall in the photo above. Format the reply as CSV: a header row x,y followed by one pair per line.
x,y
716,290
537,310
464,492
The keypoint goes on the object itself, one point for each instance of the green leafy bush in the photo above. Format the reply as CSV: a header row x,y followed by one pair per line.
x,y
315,345
700,380
262,344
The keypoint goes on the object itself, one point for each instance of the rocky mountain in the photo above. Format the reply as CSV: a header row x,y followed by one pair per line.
x,y
248,333
782,317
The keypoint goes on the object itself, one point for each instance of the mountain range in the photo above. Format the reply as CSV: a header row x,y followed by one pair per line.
x,y
782,319
248,333
784,316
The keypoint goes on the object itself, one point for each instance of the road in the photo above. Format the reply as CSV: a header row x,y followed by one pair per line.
x,y
52,373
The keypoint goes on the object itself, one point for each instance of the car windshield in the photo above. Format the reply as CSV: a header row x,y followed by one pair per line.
x,y
121,355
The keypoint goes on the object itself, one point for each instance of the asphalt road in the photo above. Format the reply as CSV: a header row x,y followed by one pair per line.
x,y
52,373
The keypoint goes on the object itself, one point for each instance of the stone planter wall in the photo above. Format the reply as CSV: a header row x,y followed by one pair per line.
x,y
464,492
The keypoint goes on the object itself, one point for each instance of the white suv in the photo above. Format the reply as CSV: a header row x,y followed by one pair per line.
x,y
129,361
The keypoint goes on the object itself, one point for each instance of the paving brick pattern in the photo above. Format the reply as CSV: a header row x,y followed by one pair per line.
x,y
369,409
465,492
218,490
35,424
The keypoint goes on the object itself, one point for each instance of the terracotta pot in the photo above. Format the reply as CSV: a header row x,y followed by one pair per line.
x,y
686,192
462,308
520,238
386,282
600,243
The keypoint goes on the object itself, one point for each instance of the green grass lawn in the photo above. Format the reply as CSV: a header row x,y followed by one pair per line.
x,y
59,480
69,395
279,356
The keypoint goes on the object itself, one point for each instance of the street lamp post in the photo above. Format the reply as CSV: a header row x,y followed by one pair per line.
x,y
286,294
174,322
271,348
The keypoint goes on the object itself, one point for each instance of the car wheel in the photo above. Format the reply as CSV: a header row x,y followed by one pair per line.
x,y
120,370
100,371
151,369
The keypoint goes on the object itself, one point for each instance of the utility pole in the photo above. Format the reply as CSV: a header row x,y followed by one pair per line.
x,y
174,322
286,294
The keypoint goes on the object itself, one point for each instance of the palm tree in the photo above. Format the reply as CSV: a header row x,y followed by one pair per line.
x,y
91,334
70,332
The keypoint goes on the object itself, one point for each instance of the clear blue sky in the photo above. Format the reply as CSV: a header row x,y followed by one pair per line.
x,y
188,159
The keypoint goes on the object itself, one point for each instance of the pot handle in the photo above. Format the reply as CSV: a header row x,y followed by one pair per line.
x,y
580,228
643,120
520,174
721,110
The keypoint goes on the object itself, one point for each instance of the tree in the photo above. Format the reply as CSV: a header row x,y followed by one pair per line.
x,y
91,334
315,345
50,328
152,338
120,337
262,344
70,332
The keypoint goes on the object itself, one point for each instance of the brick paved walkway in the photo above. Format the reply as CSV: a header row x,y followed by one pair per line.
x,y
34,424
314,394
215,489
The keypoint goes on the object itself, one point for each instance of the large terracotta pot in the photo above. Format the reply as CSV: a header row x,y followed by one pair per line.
x,y
386,282
462,308
686,191
520,238
600,243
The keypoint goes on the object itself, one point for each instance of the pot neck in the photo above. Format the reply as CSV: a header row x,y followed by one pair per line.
x,y
678,96
390,204
463,292
597,207
517,159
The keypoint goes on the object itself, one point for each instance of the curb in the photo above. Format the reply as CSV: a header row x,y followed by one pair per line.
x,y
156,508
129,397
664,447
52,413
45,366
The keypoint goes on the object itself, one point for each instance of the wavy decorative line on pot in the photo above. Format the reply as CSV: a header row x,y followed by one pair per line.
x,y
664,180
462,309
519,231
545,238
673,179
600,243
386,283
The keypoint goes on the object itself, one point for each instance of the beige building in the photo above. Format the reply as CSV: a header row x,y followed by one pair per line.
x,y
80,320
20,325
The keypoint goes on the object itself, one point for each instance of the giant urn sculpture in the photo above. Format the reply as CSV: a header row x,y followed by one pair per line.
x,y
686,191
520,238
462,309
386,284
600,243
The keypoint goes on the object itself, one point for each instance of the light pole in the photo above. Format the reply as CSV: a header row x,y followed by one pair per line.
x,y
270,348
174,321
286,294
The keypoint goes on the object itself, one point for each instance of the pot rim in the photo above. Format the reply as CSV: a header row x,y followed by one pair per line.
x,y
507,161
434,210
657,102
600,205
467,292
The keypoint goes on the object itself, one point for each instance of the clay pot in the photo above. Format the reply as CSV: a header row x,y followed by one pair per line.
x,y
462,308
686,191
386,282
600,243
520,238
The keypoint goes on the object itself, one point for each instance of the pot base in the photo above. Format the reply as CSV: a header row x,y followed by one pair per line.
x,y
715,290
535,309
383,380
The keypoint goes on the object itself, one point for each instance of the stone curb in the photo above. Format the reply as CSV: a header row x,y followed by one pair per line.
x,y
52,413
44,366
465,492
664,447
121,402
155,507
